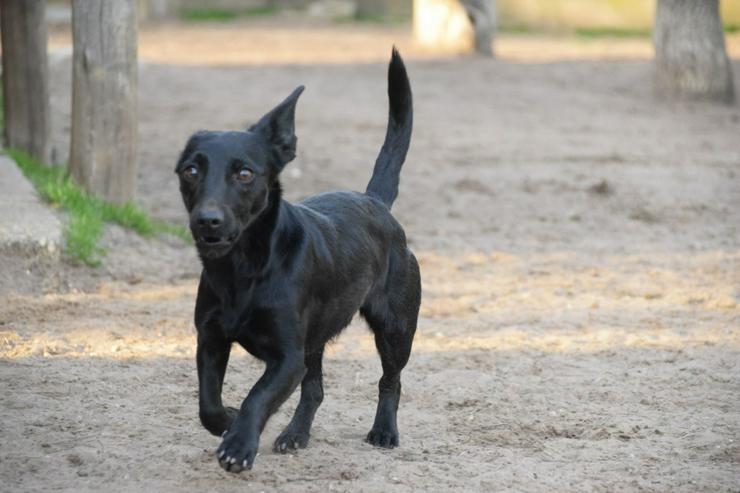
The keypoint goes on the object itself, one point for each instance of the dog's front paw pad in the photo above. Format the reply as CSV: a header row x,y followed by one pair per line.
x,y
382,438
290,441
235,454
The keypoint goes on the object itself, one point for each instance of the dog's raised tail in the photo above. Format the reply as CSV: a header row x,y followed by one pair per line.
x,y
384,182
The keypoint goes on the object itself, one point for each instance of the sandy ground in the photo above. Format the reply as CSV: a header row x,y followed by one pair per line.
x,y
580,329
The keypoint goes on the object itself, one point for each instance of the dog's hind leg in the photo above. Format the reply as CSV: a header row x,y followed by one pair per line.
x,y
297,433
392,316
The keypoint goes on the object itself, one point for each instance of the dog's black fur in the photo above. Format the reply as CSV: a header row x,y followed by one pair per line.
x,y
282,279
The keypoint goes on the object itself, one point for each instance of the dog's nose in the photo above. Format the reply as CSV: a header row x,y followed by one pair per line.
x,y
210,218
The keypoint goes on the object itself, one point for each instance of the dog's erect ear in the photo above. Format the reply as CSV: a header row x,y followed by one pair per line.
x,y
278,127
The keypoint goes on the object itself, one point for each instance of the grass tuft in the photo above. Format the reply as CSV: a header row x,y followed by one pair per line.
x,y
259,11
88,212
82,233
206,15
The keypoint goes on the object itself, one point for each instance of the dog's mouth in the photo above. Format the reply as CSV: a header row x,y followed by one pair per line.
x,y
215,246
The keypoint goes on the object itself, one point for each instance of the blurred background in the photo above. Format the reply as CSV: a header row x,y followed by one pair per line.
x,y
572,193
627,16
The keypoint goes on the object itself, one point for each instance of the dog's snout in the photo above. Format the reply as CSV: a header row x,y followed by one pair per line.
x,y
210,218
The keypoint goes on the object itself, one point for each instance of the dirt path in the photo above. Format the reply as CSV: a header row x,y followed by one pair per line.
x,y
580,327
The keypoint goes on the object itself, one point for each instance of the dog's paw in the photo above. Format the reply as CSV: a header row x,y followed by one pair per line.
x,y
235,453
382,438
289,440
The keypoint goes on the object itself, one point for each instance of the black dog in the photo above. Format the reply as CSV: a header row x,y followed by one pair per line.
x,y
282,280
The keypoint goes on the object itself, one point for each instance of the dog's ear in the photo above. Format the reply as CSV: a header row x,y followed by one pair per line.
x,y
278,127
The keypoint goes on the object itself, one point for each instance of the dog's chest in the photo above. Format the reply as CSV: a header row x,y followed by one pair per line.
x,y
247,323
233,320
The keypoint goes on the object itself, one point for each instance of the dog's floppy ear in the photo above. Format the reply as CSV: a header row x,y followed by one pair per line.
x,y
278,127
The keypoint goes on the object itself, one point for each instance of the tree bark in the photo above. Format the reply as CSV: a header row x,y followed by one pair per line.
x,y
104,98
482,16
455,25
25,76
691,61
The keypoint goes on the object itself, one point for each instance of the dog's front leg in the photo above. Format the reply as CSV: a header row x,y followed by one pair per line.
x,y
212,357
282,375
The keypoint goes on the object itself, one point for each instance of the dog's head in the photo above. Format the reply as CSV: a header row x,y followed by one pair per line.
x,y
226,177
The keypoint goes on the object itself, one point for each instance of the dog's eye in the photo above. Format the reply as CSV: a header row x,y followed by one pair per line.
x,y
245,175
190,173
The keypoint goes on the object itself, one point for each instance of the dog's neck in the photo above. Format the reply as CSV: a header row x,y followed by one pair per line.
x,y
251,255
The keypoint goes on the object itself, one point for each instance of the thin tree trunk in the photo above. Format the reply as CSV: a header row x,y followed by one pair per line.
x,y
104,98
482,14
25,76
691,61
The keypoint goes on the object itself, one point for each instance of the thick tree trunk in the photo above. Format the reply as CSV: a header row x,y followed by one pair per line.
x,y
104,98
455,25
691,61
25,76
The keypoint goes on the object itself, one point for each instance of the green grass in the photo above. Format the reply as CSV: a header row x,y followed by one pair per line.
x,y
372,19
259,11
516,29
209,15
612,32
87,212
198,15
630,32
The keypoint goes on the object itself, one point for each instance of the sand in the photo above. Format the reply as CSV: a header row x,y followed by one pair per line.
x,y
580,255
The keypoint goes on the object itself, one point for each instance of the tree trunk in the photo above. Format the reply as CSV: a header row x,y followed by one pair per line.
x,y
482,16
455,25
691,61
25,76
104,98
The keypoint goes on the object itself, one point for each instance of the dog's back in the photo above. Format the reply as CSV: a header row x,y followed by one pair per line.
x,y
353,239
349,241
